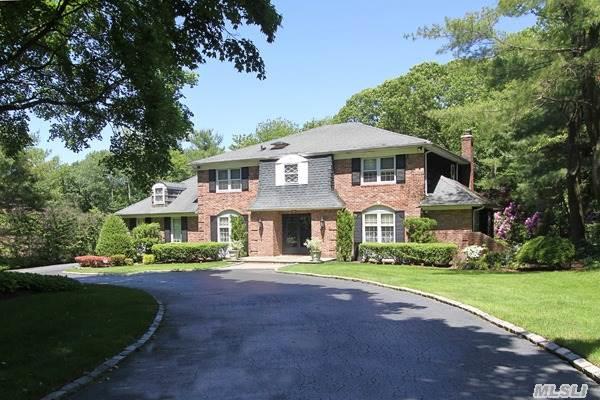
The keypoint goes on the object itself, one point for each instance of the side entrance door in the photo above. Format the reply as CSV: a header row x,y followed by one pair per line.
x,y
296,229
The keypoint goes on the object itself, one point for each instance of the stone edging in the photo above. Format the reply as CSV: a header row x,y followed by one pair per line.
x,y
69,388
572,358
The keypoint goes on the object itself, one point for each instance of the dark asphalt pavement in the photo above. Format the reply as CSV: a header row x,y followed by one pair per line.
x,y
265,335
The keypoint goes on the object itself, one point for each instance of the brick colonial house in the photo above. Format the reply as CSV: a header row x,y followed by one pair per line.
x,y
290,189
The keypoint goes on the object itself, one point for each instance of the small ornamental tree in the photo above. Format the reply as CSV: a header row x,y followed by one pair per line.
x,y
145,236
114,238
344,235
239,233
420,230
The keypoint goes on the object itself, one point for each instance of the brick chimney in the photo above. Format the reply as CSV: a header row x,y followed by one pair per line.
x,y
466,146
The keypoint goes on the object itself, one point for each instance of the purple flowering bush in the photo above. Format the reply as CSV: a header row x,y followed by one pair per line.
x,y
509,224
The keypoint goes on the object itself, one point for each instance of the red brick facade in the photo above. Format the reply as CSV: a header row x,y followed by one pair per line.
x,y
265,235
400,197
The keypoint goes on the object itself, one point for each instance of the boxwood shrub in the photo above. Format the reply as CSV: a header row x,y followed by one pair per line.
x,y
11,282
437,254
547,250
189,252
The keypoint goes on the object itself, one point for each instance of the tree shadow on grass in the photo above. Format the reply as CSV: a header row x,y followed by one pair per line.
x,y
261,335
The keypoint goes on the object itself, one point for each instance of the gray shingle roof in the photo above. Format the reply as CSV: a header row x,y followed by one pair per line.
x,y
326,139
449,192
186,201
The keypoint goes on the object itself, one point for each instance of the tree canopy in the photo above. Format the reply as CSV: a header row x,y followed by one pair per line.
x,y
547,78
87,66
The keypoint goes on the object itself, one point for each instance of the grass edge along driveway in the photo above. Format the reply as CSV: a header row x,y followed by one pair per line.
x,y
559,305
142,268
50,339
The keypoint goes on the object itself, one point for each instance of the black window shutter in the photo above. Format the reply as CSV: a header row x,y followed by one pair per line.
x,y
245,174
148,220
399,226
356,171
212,180
167,225
357,232
400,168
213,229
184,229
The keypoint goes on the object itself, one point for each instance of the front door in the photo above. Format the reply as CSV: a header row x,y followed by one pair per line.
x,y
296,229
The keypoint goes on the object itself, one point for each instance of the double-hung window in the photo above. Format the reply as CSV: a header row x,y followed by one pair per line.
x,y
379,170
290,173
229,180
159,194
379,226
224,228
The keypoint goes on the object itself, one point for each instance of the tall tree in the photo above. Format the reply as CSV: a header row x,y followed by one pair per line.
x,y
556,64
86,66
402,104
267,130
203,143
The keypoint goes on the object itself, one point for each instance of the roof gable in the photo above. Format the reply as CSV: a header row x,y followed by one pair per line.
x,y
449,192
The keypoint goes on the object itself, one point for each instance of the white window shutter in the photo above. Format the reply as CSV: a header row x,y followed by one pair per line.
x,y
303,173
279,176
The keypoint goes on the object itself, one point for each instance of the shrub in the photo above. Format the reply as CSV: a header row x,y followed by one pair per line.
x,y
239,233
145,236
344,235
93,261
546,250
420,229
189,252
474,258
438,254
11,282
148,259
129,261
114,238
118,260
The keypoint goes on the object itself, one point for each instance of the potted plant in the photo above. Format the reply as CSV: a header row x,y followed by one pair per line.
x,y
314,246
235,248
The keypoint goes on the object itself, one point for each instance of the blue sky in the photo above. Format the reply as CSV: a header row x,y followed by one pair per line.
x,y
324,52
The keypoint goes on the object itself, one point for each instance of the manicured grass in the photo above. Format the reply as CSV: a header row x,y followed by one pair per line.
x,y
563,306
140,268
49,339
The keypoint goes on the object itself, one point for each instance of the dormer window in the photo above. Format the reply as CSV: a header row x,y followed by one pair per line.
x,y
159,194
291,173
291,169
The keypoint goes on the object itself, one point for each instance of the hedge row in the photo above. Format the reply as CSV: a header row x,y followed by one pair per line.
x,y
438,254
11,282
189,252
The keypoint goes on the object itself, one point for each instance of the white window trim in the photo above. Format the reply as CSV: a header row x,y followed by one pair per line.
x,y
173,239
379,181
164,194
379,211
228,215
229,189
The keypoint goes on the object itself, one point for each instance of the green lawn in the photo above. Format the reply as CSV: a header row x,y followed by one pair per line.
x,y
140,268
563,306
49,339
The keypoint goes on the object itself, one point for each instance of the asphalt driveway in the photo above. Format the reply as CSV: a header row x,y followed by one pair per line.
x,y
264,335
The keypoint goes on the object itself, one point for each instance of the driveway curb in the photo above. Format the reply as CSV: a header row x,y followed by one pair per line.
x,y
69,388
580,363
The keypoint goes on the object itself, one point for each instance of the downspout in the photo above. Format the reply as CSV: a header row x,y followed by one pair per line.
x,y
425,170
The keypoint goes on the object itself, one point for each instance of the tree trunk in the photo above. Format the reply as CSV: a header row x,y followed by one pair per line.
x,y
576,226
